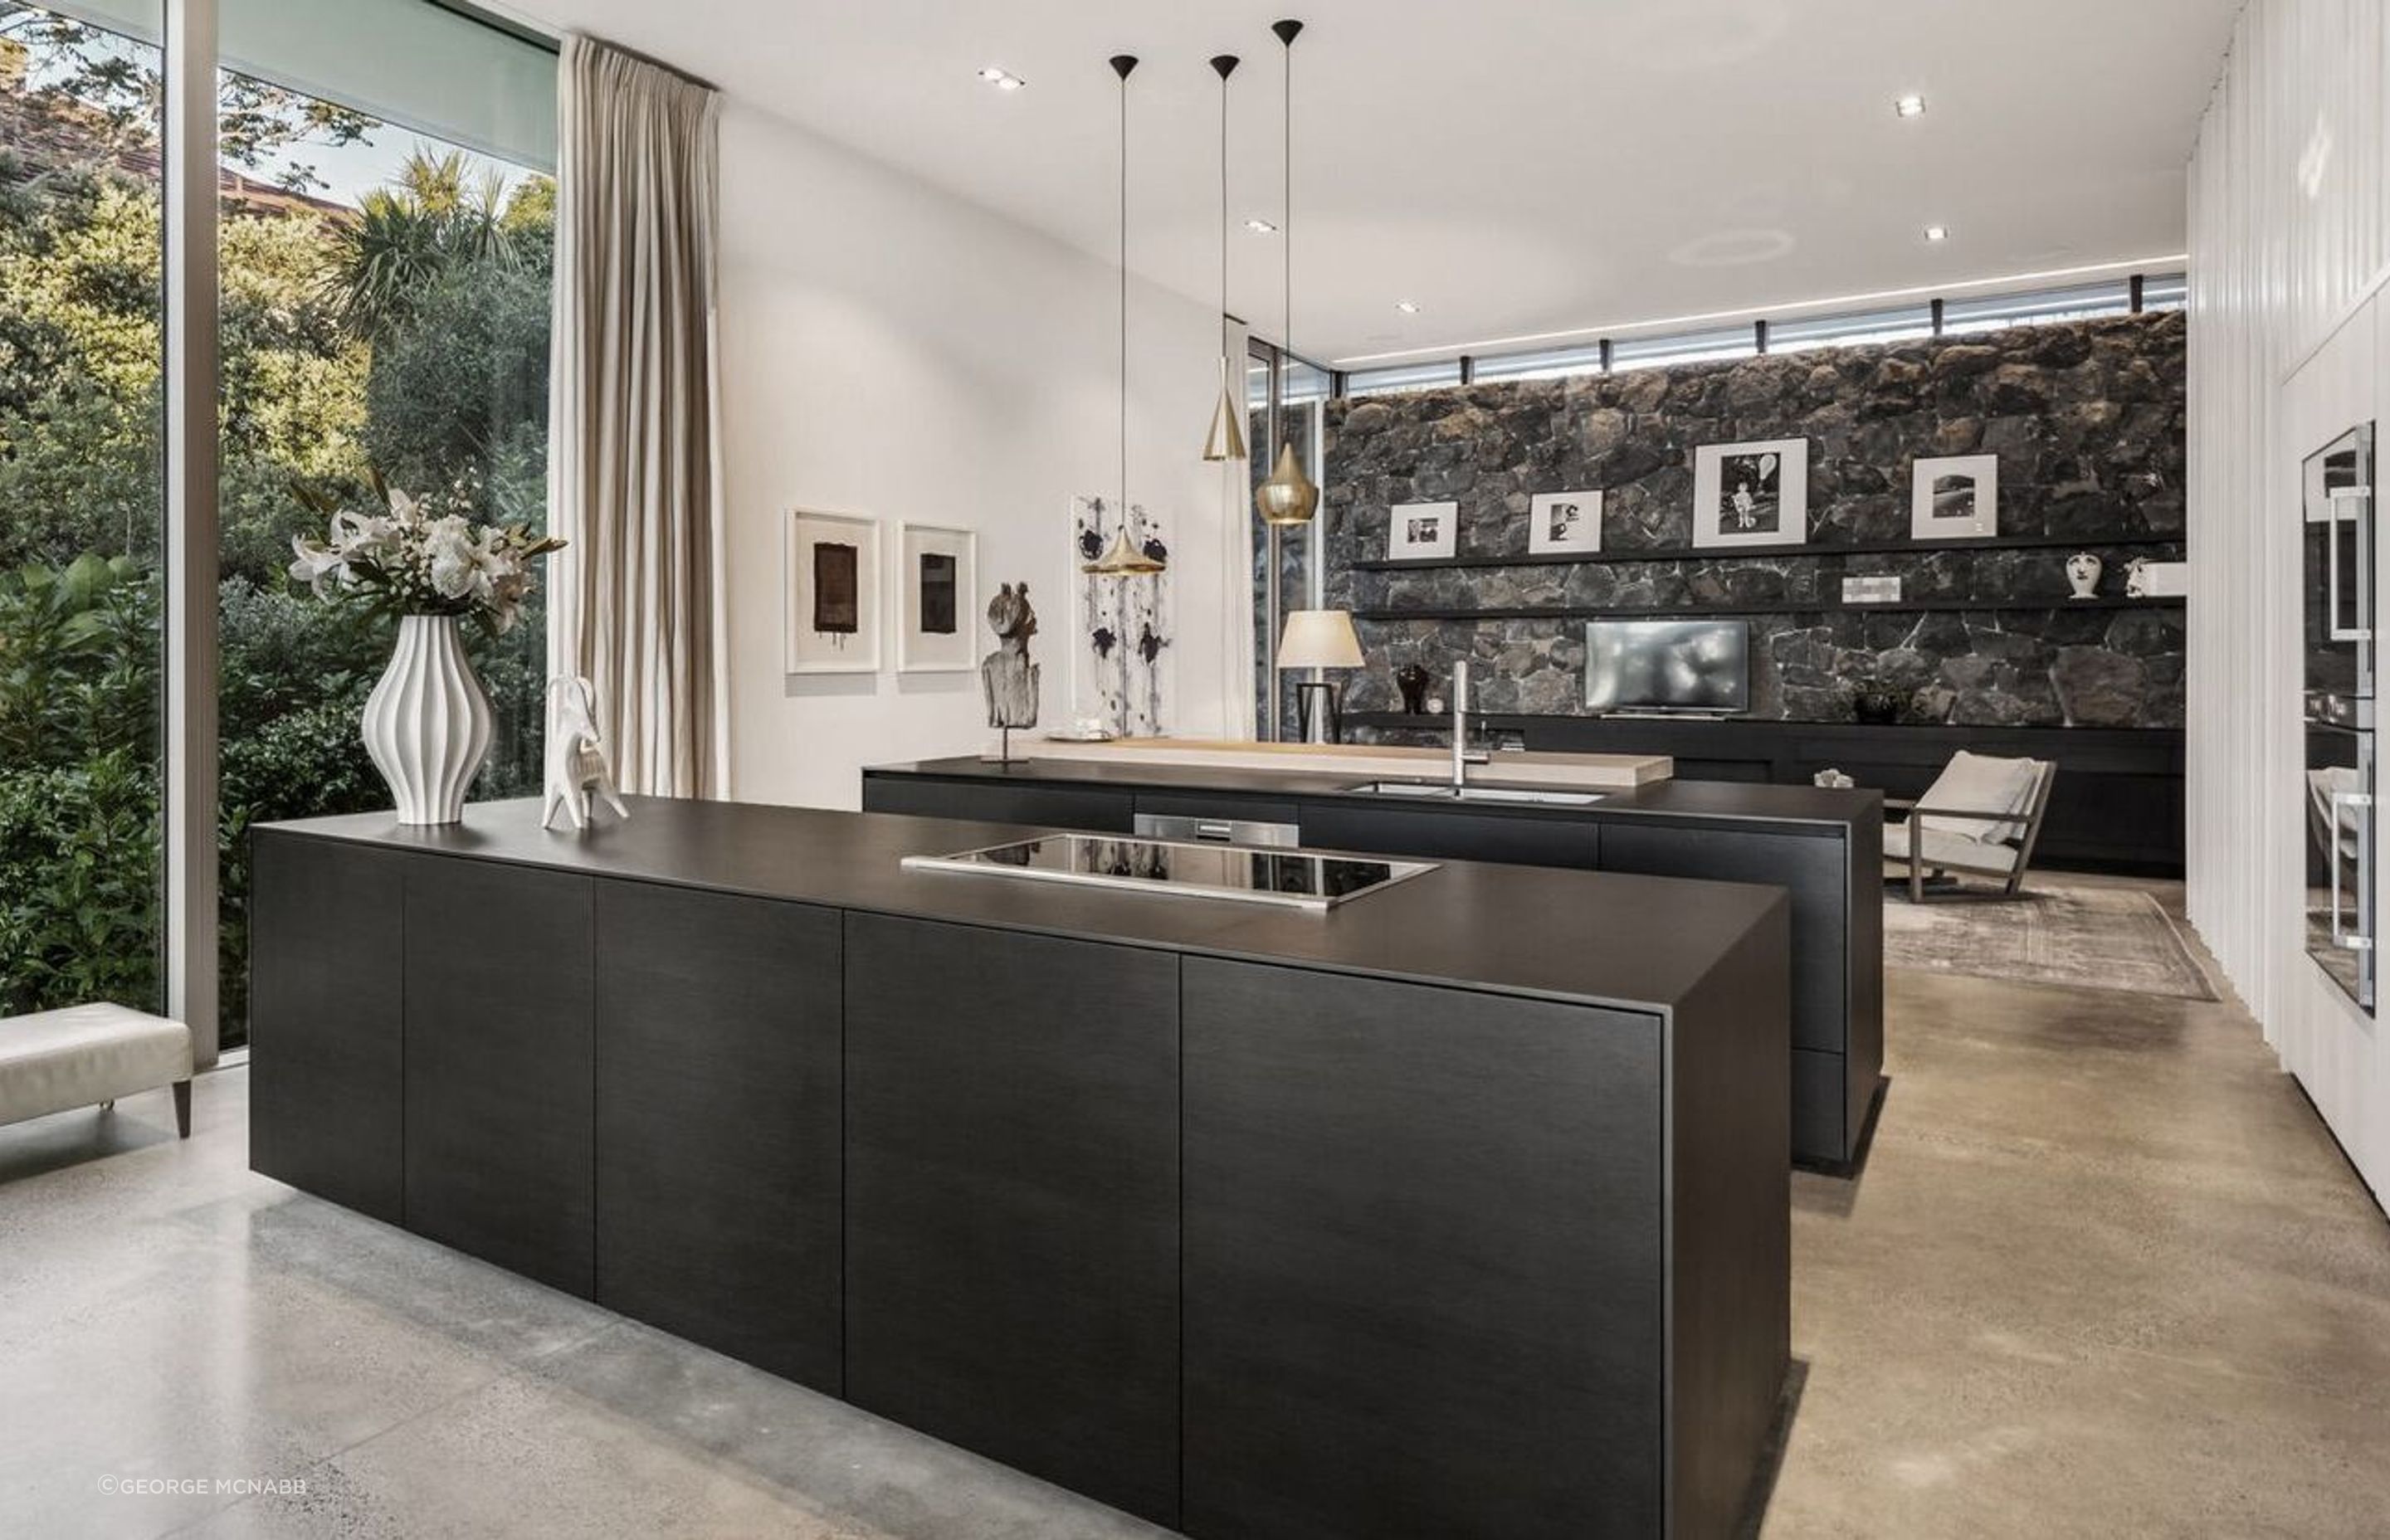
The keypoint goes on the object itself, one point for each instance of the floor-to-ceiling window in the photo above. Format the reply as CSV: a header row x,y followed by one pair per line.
x,y
385,227
81,511
1286,399
385,273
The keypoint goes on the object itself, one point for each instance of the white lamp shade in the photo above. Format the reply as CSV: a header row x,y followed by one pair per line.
x,y
1320,638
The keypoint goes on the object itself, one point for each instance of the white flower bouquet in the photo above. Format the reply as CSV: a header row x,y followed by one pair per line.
x,y
415,558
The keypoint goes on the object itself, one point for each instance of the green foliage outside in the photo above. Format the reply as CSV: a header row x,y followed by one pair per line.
x,y
411,339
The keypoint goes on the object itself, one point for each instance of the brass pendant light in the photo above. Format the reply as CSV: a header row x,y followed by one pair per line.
x,y
1226,439
1122,558
1288,498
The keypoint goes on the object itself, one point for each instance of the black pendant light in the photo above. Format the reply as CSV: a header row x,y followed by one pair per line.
x,y
1226,439
1288,498
1122,558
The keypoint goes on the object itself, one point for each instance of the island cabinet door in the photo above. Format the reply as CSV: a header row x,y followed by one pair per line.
x,y
324,1021
1423,1261
1531,841
1012,1200
1102,811
498,1065
718,1028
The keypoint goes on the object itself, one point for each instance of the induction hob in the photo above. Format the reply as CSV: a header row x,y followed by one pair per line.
x,y
1295,878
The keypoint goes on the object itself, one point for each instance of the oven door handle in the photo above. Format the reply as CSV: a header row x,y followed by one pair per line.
x,y
2359,519
2361,805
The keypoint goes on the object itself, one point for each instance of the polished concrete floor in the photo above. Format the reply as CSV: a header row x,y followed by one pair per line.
x,y
2105,1275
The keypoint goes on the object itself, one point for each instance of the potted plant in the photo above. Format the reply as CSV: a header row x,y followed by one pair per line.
x,y
426,564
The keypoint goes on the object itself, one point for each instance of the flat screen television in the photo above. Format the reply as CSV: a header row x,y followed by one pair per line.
x,y
1668,666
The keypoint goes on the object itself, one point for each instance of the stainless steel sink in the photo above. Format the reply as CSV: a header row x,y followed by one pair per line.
x,y
1444,791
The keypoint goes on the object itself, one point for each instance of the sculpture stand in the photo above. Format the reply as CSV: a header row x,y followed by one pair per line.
x,y
1004,754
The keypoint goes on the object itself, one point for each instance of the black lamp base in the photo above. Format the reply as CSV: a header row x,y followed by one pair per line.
x,y
1324,712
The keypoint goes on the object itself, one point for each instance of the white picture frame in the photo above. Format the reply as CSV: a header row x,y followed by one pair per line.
x,y
1423,531
936,573
827,630
1955,498
1565,523
1754,493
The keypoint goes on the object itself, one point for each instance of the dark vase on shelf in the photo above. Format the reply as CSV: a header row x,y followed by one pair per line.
x,y
1412,680
1877,707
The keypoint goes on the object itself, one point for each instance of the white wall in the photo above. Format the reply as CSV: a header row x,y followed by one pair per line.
x,y
2290,345
891,350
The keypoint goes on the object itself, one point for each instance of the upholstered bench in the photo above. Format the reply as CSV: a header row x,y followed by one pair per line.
x,y
89,1055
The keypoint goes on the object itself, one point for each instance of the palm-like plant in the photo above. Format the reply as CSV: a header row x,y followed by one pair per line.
x,y
435,218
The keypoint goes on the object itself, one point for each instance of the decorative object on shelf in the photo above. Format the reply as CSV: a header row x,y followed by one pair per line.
x,y
1955,498
834,577
1226,439
1007,676
937,583
1833,779
1412,681
427,724
1751,493
1875,589
2083,571
1319,639
1125,620
577,766
2156,580
1878,704
1289,497
1565,523
1423,532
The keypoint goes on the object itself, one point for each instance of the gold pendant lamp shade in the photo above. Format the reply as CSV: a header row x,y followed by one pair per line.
x,y
1226,439
1122,559
1288,498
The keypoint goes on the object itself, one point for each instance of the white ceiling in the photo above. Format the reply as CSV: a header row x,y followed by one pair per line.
x,y
1515,167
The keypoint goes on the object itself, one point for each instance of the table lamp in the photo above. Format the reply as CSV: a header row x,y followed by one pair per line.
x,y
1315,639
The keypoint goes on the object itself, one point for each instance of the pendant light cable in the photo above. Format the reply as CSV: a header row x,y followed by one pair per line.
x,y
1122,65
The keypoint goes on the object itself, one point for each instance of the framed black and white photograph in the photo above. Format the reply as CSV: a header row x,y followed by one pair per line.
x,y
1423,532
937,578
1565,523
1955,498
1751,493
833,586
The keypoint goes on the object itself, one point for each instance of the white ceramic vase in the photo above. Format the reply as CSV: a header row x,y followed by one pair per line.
x,y
427,722
2083,572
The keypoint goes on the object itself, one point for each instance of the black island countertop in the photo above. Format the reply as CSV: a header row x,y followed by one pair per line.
x,y
1456,1211
1713,803
1585,936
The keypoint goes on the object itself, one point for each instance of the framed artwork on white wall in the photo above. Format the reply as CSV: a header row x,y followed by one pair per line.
x,y
1423,531
1955,498
937,586
1751,493
833,585
1565,523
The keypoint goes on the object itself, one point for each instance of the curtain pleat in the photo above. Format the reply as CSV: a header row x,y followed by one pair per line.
x,y
635,485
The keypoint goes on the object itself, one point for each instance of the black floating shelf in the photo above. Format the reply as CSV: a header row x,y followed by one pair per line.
x,y
1789,607
1736,553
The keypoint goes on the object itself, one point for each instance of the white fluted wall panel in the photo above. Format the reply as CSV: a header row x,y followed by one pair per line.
x,y
2290,232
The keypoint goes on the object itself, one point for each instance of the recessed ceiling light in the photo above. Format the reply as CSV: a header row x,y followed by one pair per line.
x,y
1261,226
1409,307
1003,80
1909,106
1937,232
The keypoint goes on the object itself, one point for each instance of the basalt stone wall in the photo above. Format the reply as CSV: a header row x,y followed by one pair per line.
x,y
2086,419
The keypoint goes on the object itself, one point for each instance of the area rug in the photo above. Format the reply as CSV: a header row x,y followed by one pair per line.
x,y
2090,938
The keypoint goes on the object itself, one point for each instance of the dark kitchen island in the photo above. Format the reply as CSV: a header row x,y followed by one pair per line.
x,y
1424,1215
1823,846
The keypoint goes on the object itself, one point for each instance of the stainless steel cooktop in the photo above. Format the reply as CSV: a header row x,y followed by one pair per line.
x,y
1296,879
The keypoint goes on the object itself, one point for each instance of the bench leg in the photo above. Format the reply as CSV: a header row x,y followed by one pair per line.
x,y
182,1108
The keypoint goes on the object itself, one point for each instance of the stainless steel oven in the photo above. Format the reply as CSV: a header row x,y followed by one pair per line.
x,y
2337,518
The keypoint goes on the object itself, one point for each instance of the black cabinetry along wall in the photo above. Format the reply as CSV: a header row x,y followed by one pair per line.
x,y
2086,419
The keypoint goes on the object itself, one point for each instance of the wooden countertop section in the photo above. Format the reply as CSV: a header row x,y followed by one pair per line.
x,y
1561,772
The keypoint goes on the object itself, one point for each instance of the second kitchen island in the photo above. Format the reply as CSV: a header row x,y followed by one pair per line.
x,y
1413,1217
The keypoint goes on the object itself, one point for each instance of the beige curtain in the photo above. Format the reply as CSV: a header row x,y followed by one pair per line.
x,y
634,483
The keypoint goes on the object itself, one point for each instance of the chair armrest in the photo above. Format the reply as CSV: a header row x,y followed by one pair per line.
x,y
2007,816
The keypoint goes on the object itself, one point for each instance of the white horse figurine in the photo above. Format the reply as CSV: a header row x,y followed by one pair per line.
x,y
576,756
